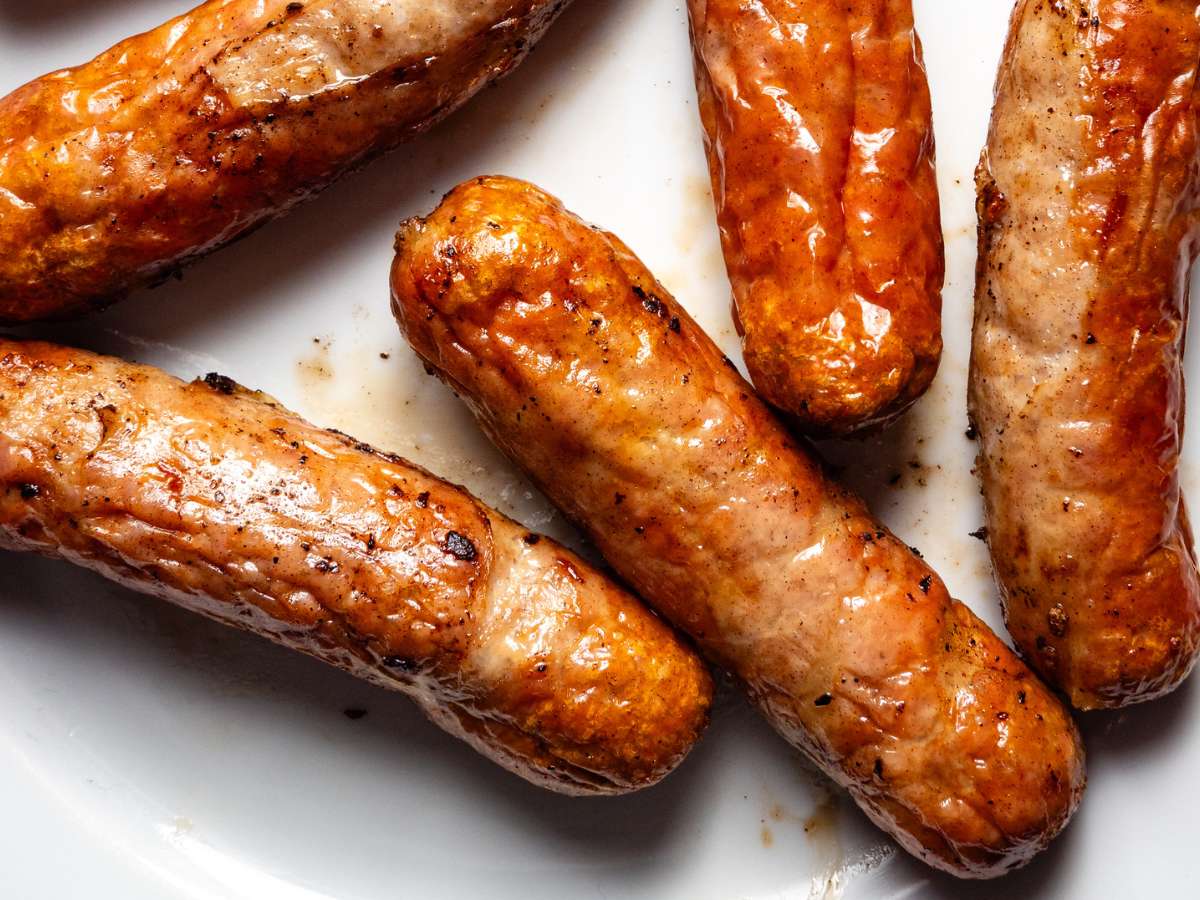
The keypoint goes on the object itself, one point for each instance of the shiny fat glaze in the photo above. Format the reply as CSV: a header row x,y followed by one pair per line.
x,y
221,501
1088,193
585,371
819,133
116,173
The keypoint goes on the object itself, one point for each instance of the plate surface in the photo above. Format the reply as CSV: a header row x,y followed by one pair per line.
x,y
145,753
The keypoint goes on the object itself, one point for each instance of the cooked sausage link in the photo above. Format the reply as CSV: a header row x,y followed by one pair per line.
x,y
819,133
118,172
223,502
1088,225
584,370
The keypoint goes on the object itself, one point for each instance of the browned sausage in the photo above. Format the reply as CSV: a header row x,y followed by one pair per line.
x,y
820,142
584,370
1088,226
221,501
116,173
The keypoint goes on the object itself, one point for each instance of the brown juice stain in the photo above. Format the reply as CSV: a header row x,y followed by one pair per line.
x,y
699,281
962,233
820,825
314,370
534,116
317,366
768,839
821,830
777,813
697,237
697,224
822,822
378,392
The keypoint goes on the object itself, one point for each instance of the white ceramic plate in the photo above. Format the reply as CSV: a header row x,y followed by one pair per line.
x,y
145,753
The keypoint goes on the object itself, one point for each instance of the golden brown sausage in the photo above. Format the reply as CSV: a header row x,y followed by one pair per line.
x,y
820,142
584,370
221,501
116,173
1088,226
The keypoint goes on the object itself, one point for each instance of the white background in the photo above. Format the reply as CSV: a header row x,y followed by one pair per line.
x,y
145,753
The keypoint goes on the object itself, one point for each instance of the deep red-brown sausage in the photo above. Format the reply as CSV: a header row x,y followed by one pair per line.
x,y
1088,227
223,502
118,172
819,132
584,370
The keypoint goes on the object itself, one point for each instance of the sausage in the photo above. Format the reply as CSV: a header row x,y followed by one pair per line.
x,y
220,500
819,133
1088,226
115,174
588,374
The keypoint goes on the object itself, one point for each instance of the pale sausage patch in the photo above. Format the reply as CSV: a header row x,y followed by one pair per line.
x,y
327,44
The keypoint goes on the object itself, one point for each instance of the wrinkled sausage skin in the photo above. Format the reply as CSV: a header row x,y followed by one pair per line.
x,y
584,370
115,174
1088,215
819,132
221,501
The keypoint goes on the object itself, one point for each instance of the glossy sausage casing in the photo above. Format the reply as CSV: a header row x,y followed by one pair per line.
x,y
819,132
223,502
584,370
1088,215
174,142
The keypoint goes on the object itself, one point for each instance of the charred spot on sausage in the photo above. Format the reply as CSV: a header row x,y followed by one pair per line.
x,y
1058,620
222,384
459,547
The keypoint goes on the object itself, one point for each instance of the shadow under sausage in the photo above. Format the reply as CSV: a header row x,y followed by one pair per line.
x,y
44,13
192,660
875,465
1138,730
1045,877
